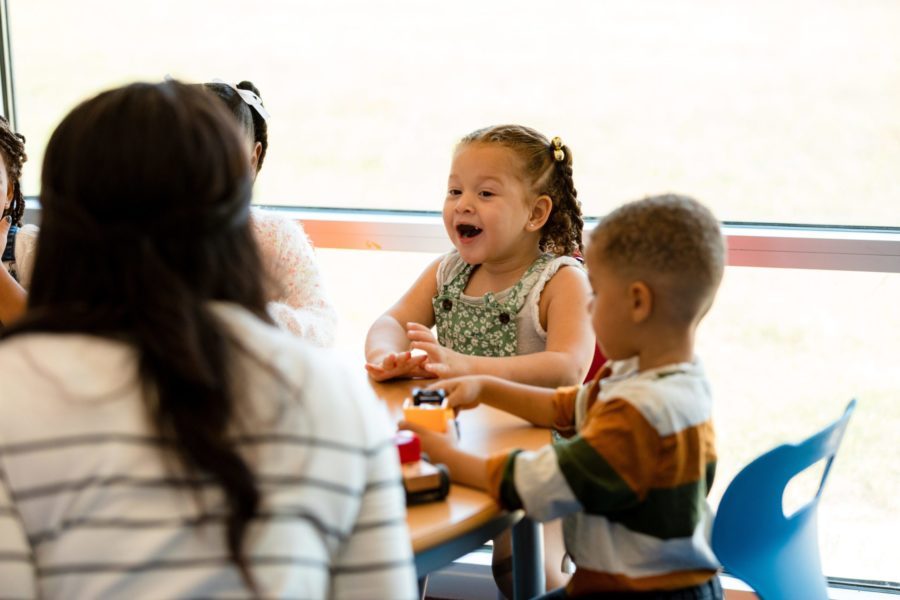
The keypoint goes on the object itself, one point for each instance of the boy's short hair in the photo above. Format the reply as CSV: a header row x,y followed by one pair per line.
x,y
671,242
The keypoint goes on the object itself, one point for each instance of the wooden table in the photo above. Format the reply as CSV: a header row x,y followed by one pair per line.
x,y
443,531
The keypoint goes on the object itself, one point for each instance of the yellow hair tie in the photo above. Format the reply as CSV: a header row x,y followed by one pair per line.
x,y
558,153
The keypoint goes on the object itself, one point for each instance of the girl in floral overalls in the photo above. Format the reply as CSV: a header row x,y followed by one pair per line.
x,y
508,301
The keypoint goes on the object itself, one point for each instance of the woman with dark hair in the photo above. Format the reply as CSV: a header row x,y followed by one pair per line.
x,y
159,437
297,298
17,242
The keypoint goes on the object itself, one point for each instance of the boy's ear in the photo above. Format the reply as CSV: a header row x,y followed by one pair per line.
x,y
540,212
641,298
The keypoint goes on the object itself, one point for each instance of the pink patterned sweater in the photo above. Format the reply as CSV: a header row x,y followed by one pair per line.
x,y
298,302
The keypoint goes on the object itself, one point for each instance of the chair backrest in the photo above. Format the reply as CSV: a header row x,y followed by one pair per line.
x,y
776,555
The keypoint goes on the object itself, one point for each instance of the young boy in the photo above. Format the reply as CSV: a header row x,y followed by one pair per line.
x,y
632,482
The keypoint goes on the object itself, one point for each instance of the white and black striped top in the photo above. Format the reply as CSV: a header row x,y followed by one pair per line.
x,y
90,506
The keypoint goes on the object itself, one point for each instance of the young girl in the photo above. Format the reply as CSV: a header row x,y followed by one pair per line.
x,y
159,436
298,301
507,301
16,242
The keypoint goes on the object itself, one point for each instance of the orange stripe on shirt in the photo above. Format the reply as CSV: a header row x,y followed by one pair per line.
x,y
684,456
619,433
495,465
565,397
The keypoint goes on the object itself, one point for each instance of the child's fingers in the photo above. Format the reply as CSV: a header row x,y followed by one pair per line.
x,y
422,373
417,429
430,439
458,400
430,348
379,377
377,373
437,369
419,336
409,359
426,436
448,385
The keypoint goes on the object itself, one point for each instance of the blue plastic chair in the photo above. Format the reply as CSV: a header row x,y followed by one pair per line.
x,y
777,556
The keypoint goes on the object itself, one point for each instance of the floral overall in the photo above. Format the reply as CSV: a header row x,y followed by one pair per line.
x,y
487,329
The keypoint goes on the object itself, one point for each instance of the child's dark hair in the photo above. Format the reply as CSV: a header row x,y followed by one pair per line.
x,y
252,122
548,169
12,147
145,194
673,242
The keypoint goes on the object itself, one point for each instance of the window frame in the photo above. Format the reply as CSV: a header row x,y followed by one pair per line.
x,y
749,244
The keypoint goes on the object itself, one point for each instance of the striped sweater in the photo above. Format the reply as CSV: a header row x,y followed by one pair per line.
x,y
91,506
632,482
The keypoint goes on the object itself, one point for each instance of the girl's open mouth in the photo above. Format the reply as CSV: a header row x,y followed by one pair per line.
x,y
467,231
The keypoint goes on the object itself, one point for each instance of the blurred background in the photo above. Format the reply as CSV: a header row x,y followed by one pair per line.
x,y
770,112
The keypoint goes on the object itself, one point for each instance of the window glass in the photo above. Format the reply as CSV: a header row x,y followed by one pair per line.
x,y
785,351
769,111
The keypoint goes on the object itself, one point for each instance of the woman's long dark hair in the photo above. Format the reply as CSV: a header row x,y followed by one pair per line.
x,y
145,198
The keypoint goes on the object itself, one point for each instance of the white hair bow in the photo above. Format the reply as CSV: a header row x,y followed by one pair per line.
x,y
249,97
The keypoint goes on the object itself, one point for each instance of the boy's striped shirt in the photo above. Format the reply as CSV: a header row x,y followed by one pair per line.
x,y
631,484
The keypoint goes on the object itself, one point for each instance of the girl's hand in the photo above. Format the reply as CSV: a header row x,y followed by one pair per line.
x,y
463,393
442,362
403,364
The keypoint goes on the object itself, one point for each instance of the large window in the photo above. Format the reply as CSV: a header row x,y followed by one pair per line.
x,y
771,112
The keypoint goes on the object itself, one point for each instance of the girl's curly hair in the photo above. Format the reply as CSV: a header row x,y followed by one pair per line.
x,y
548,175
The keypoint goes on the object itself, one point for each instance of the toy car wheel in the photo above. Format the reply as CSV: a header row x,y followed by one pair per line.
x,y
445,479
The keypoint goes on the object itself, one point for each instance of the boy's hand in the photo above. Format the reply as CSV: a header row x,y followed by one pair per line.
x,y
442,362
440,447
463,393
403,364
467,469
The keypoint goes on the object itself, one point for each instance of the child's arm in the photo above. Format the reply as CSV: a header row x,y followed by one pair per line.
x,y
387,345
465,468
12,295
609,466
12,298
534,404
570,341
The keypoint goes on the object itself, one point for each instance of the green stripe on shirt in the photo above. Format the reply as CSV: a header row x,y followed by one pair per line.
x,y
509,496
666,513
592,480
